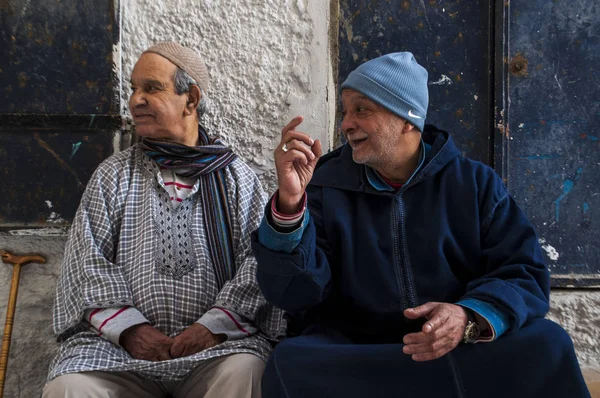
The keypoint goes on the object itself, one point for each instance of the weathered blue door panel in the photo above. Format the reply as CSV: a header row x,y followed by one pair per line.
x,y
44,171
59,110
450,39
57,56
553,147
516,84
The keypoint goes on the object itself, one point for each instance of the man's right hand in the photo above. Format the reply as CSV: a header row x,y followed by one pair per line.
x,y
295,166
146,342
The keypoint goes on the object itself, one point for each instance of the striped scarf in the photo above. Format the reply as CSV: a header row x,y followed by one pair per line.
x,y
207,162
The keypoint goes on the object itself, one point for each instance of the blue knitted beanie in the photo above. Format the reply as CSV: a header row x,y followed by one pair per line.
x,y
395,81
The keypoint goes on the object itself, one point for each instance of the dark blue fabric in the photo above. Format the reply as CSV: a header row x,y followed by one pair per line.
x,y
535,362
453,233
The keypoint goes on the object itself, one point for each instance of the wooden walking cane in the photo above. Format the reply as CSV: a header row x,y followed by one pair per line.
x,y
17,262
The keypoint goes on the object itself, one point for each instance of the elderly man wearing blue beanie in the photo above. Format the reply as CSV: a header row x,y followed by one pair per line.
x,y
406,270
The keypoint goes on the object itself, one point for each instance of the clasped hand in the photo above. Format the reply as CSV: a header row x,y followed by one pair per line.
x,y
147,343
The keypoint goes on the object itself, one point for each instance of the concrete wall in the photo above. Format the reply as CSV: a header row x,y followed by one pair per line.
x,y
579,313
33,344
269,60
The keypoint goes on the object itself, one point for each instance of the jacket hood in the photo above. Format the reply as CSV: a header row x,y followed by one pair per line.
x,y
337,169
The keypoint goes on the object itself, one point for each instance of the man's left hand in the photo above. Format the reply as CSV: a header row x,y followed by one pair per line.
x,y
194,339
442,332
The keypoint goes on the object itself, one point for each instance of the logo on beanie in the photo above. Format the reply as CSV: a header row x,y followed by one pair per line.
x,y
411,114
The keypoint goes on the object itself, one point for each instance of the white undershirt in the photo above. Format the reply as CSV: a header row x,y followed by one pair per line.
x,y
178,187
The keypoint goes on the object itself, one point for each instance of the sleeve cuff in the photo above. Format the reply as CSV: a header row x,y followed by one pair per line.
x,y
287,221
497,321
222,321
111,322
275,240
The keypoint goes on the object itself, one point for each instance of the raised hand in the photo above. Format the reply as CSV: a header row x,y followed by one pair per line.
x,y
146,342
295,159
194,339
442,332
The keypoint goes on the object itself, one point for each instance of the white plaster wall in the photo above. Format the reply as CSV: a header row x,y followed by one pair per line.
x,y
268,62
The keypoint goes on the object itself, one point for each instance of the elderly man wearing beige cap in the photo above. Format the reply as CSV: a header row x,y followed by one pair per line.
x,y
157,295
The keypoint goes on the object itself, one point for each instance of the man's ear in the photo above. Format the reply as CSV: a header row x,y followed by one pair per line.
x,y
194,96
408,127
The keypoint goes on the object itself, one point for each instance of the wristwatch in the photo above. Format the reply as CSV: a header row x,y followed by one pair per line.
x,y
472,330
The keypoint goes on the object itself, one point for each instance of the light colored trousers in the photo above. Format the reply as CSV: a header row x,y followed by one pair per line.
x,y
232,376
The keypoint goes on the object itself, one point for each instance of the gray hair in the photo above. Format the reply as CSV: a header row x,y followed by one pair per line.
x,y
183,81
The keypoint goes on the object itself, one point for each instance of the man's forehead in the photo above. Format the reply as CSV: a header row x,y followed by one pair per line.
x,y
152,66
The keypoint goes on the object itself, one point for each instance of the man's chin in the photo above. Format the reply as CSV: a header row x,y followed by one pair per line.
x,y
142,130
360,158
154,135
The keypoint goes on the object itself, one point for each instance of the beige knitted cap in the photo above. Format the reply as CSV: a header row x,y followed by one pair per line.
x,y
186,58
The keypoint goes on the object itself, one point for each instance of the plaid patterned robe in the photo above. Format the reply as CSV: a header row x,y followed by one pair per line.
x,y
129,245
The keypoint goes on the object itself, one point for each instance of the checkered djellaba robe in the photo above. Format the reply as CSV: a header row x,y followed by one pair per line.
x,y
130,246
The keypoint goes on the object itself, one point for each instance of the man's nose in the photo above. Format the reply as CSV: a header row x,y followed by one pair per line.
x,y
137,99
347,124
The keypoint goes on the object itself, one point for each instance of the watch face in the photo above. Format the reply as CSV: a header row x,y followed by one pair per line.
x,y
472,332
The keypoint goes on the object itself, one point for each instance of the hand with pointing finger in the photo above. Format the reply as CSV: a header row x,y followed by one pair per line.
x,y
295,159
442,332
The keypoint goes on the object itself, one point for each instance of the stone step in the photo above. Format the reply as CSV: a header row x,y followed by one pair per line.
x,y
592,378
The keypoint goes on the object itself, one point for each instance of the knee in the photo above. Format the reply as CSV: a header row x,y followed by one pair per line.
x,y
554,334
243,365
290,349
68,385
273,384
287,358
547,337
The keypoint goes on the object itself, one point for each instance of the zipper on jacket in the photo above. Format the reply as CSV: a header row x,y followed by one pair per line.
x,y
397,264
404,269
404,276
407,271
